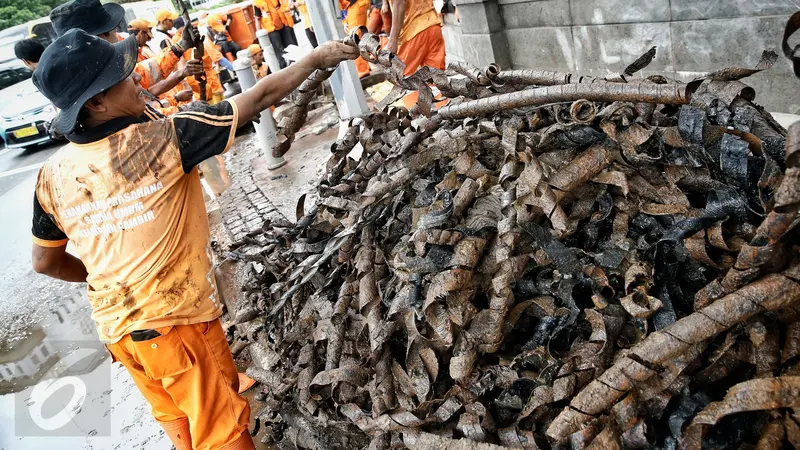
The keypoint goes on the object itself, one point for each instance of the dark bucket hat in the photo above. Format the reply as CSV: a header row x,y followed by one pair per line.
x,y
87,15
76,67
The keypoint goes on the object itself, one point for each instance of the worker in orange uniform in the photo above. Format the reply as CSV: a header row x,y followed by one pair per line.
x,y
162,32
302,8
146,252
416,35
215,92
166,103
218,25
355,15
288,19
380,17
259,66
271,19
141,29
99,20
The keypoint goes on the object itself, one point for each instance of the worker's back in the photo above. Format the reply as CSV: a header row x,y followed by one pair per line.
x,y
138,223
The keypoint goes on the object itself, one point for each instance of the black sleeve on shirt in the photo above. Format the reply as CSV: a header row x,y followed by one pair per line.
x,y
44,227
204,131
257,12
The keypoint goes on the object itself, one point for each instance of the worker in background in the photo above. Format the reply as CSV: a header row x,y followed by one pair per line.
x,y
158,75
29,51
162,32
218,26
270,19
147,264
216,56
288,20
215,92
380,17
302,8
141,29
416,35
355,15
259,66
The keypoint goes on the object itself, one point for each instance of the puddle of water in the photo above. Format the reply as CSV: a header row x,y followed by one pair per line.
x,y
65,328
59,389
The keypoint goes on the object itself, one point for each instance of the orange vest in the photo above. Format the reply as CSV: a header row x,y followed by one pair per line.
x,y
145,53
287,14
153,70
272,18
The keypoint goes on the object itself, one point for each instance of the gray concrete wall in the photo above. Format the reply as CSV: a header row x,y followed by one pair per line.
x,y
596,37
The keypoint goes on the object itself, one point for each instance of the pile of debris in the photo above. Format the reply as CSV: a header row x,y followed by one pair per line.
x,y
547,261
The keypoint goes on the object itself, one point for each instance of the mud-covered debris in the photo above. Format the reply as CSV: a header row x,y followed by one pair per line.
x,y
547,261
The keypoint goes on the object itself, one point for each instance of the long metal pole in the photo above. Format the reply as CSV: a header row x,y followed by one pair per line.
x,y
268,50
346,86
265,128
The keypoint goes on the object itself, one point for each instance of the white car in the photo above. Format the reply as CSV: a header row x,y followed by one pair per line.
x,y
25,114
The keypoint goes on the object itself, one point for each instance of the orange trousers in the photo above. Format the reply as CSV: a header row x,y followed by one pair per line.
x,y
379,22
424,49
188,376
362,67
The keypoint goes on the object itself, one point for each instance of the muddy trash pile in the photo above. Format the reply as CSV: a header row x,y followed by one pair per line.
x,y
547,261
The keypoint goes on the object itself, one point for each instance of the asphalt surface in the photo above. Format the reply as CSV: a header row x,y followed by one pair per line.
x,y
22,291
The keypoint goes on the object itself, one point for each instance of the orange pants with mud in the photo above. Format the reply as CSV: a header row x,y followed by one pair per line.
x,y
188,376
424,49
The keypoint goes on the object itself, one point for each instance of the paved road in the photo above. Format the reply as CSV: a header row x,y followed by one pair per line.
x,y
20,288
37,312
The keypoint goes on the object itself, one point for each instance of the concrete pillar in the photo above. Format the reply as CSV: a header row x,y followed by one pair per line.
x,y
269,51
265,128
483,37
344,82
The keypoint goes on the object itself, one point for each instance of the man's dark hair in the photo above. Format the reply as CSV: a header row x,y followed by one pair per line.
x,y
29,50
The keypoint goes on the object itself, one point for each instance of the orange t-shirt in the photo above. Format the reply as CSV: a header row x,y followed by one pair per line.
x,y
127,194
420,15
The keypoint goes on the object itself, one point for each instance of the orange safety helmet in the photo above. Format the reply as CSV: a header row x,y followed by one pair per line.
x,y
140,24
216,22
165,14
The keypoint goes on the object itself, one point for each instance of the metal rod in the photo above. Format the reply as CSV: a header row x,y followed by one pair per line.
x,y
269,51
601,91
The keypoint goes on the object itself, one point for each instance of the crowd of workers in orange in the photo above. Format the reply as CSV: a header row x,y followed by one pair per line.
x,y
412,29
416,38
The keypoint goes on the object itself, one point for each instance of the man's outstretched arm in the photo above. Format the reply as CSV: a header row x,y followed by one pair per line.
x,y
398,19
272,88
191,68
55,262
